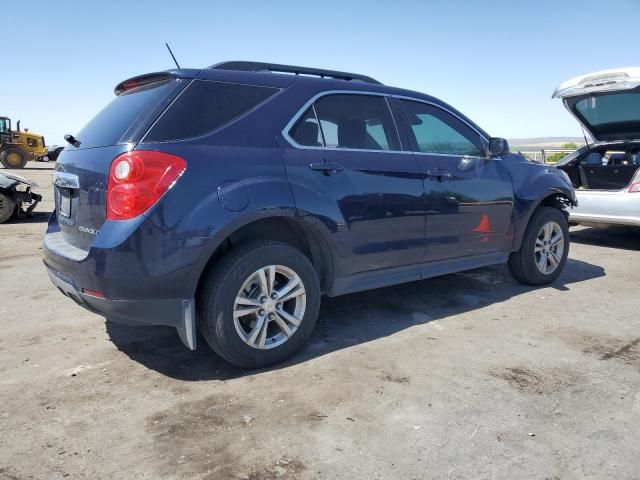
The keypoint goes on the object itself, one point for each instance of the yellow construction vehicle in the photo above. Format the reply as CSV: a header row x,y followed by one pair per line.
x,y
17,147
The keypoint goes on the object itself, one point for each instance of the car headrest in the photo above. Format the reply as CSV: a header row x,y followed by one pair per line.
x,y
616,159
594,158
351,133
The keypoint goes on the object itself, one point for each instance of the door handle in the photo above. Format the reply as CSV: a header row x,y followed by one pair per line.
x,y
327,168
440,174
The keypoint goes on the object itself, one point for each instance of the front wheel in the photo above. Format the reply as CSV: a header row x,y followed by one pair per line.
x,y
260,304
544,249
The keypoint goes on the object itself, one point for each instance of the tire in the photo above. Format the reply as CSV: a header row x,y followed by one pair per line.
x,y
13,157
524,264
7,207
237,339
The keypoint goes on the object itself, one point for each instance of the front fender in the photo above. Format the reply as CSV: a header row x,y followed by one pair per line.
x,y
533,183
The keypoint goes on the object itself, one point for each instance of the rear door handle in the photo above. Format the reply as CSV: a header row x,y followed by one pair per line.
x,y
327,168
440,174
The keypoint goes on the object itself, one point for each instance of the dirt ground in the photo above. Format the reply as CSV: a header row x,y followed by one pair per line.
x,y
465,376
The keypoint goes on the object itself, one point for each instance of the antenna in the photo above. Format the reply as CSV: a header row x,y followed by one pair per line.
x,y
584,134
172,56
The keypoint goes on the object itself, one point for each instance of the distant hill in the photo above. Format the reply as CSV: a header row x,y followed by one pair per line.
x,y
543,142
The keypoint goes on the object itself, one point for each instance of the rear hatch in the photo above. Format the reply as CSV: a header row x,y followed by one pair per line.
x,y
82,169
606,103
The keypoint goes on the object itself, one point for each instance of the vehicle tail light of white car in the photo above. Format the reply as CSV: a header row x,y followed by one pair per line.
x,y
635,183
138,179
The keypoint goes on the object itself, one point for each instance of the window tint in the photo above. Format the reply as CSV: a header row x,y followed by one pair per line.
x,y
357,121
437,131
306,131
205,106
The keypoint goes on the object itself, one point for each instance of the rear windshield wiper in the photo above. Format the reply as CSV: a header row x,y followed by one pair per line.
x,y
72,140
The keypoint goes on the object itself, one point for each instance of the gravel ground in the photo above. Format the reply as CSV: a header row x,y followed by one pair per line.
x,y
464,376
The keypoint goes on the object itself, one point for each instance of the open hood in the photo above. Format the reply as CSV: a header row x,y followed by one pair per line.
x,y
606,103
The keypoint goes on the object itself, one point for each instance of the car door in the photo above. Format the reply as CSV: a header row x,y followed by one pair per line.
x,y
347,171
469,197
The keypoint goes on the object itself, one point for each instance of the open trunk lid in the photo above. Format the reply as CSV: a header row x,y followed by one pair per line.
x,y
82,169
606,103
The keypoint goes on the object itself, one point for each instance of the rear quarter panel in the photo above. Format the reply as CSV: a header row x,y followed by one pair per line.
x,y
234,176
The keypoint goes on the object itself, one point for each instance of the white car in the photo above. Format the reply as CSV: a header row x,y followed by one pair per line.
x,y
606,173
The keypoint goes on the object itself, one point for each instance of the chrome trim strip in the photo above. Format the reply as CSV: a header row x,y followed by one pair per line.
x,y
312,100
66,180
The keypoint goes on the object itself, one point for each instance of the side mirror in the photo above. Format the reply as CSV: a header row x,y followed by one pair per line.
x,y
498,147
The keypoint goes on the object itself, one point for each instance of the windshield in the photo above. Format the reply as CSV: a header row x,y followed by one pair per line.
x,y
5,125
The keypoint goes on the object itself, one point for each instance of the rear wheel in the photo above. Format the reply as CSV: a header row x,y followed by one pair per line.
x,y
13,157
260,304
7,207
544,249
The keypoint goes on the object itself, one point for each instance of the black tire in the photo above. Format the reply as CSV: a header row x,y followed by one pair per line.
x,y
7,207
9,153
522,264
217,297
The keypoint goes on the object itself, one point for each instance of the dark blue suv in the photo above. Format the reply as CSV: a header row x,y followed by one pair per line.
x,y
234,196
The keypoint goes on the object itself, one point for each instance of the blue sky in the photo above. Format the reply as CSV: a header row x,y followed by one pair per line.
x,y
497,61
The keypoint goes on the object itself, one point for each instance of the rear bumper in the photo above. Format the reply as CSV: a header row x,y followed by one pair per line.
x,y
606,208
178,313
150,312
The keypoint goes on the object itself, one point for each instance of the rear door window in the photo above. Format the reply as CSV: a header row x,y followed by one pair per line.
x,y
205,106
361,122
436,131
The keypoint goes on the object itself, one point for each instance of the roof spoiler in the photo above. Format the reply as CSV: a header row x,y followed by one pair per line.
x,y
245,66
147,78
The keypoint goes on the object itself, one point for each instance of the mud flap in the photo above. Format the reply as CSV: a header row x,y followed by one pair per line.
x,y
187,328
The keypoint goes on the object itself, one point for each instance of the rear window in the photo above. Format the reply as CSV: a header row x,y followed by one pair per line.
x,y
128,114
610,109
205,106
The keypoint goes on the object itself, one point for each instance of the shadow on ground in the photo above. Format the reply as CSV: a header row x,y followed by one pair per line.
x,y
624,238
345,321
36,217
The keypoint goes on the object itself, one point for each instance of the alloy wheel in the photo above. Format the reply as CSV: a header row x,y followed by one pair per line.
x,y
269,307
549,248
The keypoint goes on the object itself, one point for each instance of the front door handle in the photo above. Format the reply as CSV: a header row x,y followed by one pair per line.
x,y
327,168
440,174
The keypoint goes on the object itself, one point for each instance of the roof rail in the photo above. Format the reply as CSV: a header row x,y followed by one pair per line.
x,y
277,68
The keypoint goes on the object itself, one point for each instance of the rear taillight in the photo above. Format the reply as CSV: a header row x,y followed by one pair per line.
x,y
138,179
635,183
